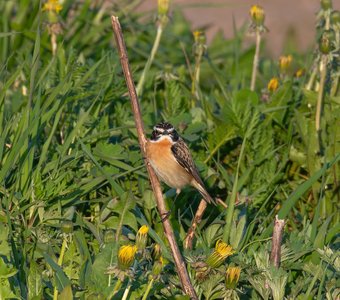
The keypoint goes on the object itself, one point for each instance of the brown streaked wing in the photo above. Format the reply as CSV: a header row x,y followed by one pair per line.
x,y
184,158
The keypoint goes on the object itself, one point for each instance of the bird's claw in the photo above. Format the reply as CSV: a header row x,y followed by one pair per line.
x,y
165,216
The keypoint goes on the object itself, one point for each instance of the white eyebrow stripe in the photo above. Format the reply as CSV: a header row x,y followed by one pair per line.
x,y
160,129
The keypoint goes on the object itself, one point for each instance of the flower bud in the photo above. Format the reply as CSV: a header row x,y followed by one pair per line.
x,y
163,7
67,226
326,41
199,37
221,252
257,15
300,72
126,256
142,237
109,237
326,4
156,252
335,18
273,84
158,266
53,8
285,63
232,277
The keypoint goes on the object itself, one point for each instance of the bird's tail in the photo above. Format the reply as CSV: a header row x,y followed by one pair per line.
x,y
204,193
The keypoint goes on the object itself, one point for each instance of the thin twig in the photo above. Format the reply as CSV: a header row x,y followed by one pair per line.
x,y
275,256
168,231
197,219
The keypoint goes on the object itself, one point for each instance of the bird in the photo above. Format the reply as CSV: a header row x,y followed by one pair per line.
x,y
171,160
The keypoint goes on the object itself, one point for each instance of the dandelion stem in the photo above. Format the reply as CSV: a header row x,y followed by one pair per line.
x,y
312,77
150,60
231,204
60,262
323,71
116,288
196,77
110,276
256,60
54,43
127,290
148,289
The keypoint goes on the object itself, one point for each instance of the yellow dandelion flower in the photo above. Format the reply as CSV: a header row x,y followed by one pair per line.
x,y
232,277
221,252
52,6
143,230
126,256
273,84
285,63
142,237
257,14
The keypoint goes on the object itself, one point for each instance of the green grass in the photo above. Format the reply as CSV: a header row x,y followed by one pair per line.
x,y
69,155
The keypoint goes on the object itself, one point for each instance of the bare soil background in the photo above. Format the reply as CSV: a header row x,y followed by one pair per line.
x,y
293,18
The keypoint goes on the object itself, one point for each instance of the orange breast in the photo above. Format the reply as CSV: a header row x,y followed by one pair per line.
x,y
165,165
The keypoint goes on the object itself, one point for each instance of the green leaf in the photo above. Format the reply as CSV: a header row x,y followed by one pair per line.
x,y
61,279
303,188
34,285
66,293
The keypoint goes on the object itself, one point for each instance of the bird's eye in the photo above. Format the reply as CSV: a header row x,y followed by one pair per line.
x,y
154,135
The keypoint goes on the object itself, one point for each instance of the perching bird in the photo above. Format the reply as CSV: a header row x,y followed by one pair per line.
x,y
170,157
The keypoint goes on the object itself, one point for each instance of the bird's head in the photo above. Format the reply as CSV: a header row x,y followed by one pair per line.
x,y
164,130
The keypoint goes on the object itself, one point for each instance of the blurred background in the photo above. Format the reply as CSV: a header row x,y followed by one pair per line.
x,y
290,22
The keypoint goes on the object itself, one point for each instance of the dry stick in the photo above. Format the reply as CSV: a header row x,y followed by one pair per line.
x,y
275,256
197,220
168,231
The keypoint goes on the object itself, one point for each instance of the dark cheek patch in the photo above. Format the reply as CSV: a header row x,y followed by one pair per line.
x,y
174,136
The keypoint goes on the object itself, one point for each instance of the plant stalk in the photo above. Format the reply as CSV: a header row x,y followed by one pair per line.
x,y
127,290
323,71
231,204
148,289
60,262
311,80
196,77
116,288
256,60
275,256
150,60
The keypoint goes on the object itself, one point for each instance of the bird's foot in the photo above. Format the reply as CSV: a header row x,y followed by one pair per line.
x,y
165,216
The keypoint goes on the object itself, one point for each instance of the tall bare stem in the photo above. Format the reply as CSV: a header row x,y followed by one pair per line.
x,y
150,60
256,60
168,231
